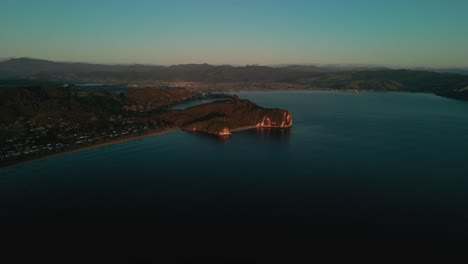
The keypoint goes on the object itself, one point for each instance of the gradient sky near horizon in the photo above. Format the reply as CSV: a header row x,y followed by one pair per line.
x,y
430,33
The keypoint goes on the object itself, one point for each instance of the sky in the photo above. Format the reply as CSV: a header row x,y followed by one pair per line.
x,y
428,33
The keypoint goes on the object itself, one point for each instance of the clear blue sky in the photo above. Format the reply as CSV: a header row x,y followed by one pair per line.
x,y
431,33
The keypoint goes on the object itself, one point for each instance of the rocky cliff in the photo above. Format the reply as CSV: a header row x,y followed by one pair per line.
x,y
276,120
223,117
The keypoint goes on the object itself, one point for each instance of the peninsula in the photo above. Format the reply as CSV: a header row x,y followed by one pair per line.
x,y
223,117
41,120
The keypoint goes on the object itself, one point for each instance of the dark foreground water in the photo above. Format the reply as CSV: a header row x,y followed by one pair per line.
x,y
363,168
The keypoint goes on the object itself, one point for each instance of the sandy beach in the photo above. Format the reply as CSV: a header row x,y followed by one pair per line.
x,y
98,145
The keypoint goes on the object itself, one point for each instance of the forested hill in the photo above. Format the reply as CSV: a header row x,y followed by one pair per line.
x,y
308,77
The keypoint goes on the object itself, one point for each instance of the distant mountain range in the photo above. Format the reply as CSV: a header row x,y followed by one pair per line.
x,y
29,66
351,67
439,81
62,71
446,70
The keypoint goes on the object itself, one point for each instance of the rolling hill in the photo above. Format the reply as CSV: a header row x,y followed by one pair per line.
x,y
307,77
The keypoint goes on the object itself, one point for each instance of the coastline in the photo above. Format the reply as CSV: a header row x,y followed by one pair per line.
x,y
243,128
152,133
325,90
174,129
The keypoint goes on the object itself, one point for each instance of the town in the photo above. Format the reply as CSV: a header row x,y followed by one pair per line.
x,y
32,140
96,115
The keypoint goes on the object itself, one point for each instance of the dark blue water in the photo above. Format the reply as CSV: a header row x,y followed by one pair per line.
x,y
354,167
193,103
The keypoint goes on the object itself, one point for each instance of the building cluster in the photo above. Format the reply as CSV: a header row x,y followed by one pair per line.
x,y
30,139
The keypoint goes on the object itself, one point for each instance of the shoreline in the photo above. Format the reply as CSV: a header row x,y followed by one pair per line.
x,y
98,145
243,128
174,129
240,129
323,90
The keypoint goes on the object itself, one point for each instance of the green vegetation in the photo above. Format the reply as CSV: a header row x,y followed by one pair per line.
x,y
204,77
222,117
40,113
392,80
41,120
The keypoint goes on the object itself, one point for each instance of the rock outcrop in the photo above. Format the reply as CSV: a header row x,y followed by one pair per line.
x,y
283,122
223,117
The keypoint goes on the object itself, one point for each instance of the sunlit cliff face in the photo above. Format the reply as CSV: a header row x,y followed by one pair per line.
x,y
287,120
224,132
282,121
223,117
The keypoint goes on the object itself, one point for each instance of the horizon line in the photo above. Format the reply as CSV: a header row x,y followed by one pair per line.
x,y
279,64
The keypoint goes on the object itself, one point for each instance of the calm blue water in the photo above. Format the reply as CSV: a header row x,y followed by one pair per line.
x,y
355,165
193,103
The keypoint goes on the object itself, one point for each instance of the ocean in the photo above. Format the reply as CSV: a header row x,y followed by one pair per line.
x,y
354,168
